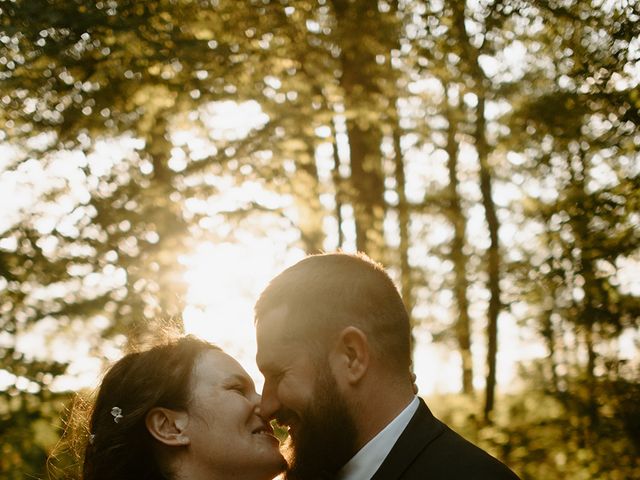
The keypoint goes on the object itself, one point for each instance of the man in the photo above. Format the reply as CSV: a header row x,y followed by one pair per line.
x,y
334,347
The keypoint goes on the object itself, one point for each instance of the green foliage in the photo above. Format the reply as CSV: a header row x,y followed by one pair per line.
x,y
30,420
542,436
30,428
544,92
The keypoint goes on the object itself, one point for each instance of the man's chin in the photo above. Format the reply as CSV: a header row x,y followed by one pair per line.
x,y
310,460
323,437
287,448
297,467
292,430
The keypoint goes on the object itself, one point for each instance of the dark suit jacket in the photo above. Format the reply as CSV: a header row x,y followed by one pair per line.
x,y
429,450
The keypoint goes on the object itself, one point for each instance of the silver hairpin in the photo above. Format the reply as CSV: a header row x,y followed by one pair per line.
x,y
117,414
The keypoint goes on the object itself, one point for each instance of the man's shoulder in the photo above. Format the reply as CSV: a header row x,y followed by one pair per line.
x,y
451,456
430,449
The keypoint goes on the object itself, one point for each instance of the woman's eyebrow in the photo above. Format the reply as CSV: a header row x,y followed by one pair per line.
x,y
236,377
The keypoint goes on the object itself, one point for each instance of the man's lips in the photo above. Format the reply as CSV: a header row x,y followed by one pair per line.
x,y
285,419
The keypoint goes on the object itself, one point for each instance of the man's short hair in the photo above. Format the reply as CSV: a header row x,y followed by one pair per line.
x,y
327,292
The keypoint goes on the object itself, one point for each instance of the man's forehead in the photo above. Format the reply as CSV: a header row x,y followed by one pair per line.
x,y
271,324
274,339
276,357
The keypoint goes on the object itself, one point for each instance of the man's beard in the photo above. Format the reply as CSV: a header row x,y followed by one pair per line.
x,y
325,435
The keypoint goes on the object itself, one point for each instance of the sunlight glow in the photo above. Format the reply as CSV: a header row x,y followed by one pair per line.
x,y
224,281
225,278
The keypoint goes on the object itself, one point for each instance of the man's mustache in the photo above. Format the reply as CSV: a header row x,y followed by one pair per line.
x,y
285,417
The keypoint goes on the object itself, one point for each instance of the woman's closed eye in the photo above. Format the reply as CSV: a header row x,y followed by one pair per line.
x,y
240,385
239,388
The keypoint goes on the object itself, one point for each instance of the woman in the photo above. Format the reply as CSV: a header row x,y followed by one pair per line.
x,y
184,410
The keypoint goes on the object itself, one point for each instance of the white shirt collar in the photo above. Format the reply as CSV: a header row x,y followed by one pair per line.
x,y
367,461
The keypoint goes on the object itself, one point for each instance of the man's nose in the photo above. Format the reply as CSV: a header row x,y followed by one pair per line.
x,y
270,403
255,398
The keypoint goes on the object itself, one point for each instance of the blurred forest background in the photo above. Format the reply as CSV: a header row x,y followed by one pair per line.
x,y
486,151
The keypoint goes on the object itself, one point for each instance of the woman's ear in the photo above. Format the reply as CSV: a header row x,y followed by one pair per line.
x,y
350,356
168,426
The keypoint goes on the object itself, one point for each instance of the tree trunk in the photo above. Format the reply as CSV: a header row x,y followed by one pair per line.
x,y
478,81
306,189
337,184
403,223
367,182
404,218
458,257
591,290
362,98
493,255
406,284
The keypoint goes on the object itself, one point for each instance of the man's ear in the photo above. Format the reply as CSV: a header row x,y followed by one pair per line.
x,y
168,426
350,355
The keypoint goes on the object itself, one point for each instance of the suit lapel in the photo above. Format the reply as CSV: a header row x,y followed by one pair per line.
x,y
421,430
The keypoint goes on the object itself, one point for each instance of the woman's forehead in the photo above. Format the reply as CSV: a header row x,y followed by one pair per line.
x,y
215,366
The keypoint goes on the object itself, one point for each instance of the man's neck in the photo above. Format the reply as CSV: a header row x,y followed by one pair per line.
x,y
368,459
377,409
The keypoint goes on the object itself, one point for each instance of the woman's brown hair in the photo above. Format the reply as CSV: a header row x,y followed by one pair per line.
x,y
119,446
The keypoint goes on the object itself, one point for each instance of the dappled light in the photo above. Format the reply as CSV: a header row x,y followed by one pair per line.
x,y
161,161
